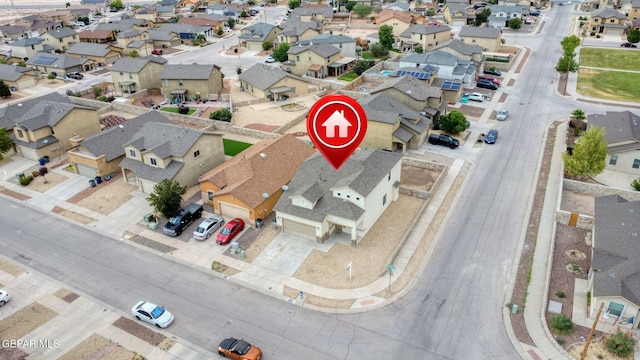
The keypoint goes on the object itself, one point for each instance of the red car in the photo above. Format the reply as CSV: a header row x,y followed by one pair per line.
x,y
157,52
489,78
230,231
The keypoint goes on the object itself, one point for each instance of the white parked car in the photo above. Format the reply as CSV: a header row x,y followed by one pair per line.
x,y
270,59
208,227
476,97
502,115
153,314
4,297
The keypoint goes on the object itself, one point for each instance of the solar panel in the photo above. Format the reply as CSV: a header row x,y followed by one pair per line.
x,y
45,60
401,72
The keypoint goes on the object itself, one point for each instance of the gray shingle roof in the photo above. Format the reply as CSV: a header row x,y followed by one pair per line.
x,y
436,57
187,71
110,142
620,126
424,30
324,50
128,33
509,9
89,49
459,46
161,35
62,33
9,114
297,29
412,87
616,245
383,108
12,72
262,76
184,28
134,65
316,178
27,42
480,32
328,38
115,26
42,113
606,13
61,62
257,32
13,30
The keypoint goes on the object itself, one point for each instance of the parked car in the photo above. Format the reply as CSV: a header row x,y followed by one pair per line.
x,y
493,72
75,75
502,115
239,349
490,78
444,140
208,227
79,23
475,97
491,136
157,52
4,297
229,231
629,45
152,313
183,219
534,12
270,59
486,84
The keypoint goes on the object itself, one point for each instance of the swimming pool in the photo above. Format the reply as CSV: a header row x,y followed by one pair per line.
x,y
385,72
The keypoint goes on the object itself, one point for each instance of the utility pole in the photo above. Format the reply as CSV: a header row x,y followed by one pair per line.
x,y
593,329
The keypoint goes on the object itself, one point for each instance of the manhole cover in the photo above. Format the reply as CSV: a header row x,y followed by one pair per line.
x,y
289,312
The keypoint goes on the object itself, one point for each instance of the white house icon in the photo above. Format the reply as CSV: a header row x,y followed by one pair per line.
x,y
336,119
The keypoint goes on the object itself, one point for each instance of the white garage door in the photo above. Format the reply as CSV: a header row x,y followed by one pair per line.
x,y
299,229
233,211
29,82
85,170
29,153
147,186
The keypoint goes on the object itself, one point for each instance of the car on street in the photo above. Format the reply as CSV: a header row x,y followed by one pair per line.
x,y
157,52
628,45
475,97
493,72
229,231
534,12
486,84
489,78
152,313
491,136
208,227
239,349
75,75
227,30
502,115
4,297
270,59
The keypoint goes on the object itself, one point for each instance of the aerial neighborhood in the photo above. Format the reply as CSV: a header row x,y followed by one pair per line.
x,y
162,124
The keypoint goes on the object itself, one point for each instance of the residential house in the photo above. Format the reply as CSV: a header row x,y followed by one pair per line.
x,y
13,33
490,39
134,40
159,151
425,73
190,5
63,17
398,6
165,13
58,64
321,202
459,14
424,36
45,126
130,75
312,60
268,82
146,13
622,134
250,184
100,154
615,270
418,95
392,125
126,24
501,14
295,33
191,81
608,23
97,36
186,31
320,14
449,66
346,44
634,10
252,36
203,22
17,77
26,48
398,20
101,54
462,51
163,39
28,21
61,39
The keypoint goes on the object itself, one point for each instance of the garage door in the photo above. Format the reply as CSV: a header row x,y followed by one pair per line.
x,y
85,170
27,83
299,229
147,186
233,211
29,153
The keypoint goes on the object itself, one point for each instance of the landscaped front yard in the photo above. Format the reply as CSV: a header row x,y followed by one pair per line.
x,y
175,110
609,84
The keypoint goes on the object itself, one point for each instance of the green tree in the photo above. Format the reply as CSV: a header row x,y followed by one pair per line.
x,y
634,36
431,11
239,70
280,53
219,31
244,14
5,92
419,49
453,123
166,197
482,16
231,23
587,157
362,10
565,63
97,92
5,142
635,184
67,4
385,34
117,4
377,50
578,114
294,4
621,343
251,2
360,67
561,324
515,23
222,115
267,45
569,45
350,5
134,54
51,77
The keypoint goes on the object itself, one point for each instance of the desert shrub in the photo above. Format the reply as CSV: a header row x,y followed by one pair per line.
x,y
621,343
561,324
560,341
222,115
24,181
635,184
561,294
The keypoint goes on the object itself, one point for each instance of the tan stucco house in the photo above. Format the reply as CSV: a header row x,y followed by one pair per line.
x,y
424,36
311,60
252,36
130,75
608,23
191,81
17,77
268,82
399,20
622,134
489,39
101,54
61,39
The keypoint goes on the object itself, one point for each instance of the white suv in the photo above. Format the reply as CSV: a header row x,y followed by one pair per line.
x,y
476,97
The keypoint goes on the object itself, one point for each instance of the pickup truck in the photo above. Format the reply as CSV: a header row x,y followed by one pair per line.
x,y
444,140
183,219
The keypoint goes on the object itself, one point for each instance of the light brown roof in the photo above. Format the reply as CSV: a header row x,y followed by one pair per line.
x,y
262,168
387,14
95,34
199,21
315,67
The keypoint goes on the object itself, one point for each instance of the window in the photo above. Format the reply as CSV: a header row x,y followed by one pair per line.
x,y
130,76
165,82
297,57
210,195
132,153
389,177
121,73
384,200
153,161
20,133
196,153
636,163
595,20
180,82
612,21
613,160
615,309
60,40
420,36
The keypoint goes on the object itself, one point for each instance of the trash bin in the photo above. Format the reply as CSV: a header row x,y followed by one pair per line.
x,y
19,176
46,159
92,183
41,161
98,179
274,222
148,217
258,223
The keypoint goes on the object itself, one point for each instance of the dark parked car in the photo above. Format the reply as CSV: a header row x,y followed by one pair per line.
x,y
75,75
534,12
491,136
493,72
183,219
628,44
489,78
444,140
486,84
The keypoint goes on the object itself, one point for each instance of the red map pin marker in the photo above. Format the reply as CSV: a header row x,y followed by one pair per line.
x,y
336,124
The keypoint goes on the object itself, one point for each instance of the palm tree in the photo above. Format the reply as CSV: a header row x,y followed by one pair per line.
x,y
578,114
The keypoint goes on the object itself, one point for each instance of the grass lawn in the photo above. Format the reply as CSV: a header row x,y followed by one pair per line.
x,y
233,148
610,58
175,110
367,55
350,76
613,85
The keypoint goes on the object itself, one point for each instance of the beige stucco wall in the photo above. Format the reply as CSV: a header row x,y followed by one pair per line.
x,y
307,58
205,87
428,41
211,155
624,163
399,26
379,135
60,44
100,163
487,44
